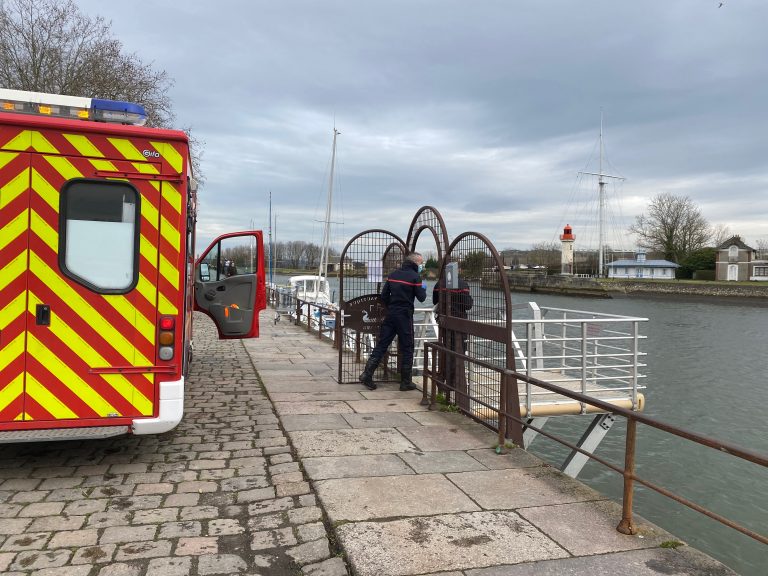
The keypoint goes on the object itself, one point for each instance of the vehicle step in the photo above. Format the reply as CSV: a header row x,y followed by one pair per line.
x,y
50,434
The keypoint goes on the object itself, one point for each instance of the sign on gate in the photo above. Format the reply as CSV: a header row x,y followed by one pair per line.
x,y
364,314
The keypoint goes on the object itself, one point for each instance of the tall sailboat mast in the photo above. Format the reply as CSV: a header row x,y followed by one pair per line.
x,y
601,203
323,270
270,239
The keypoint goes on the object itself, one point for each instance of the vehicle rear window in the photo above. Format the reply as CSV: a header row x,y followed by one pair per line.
x,y
99,234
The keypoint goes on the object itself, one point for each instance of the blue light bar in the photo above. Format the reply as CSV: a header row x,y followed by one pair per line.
x,y
117,111
60,106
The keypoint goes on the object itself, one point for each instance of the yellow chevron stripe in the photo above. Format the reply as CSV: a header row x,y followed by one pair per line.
x,y
145,168
170,233
53,405
127,149
149,212
165,307
170,155
117,340
83,145
11,271
44,231
20,416
22,141
12,391
90,356
68,377
44,189
40,144
12,350
147,289
169,271
172,196
6,157
63,167
13,230
128,311
148,250
14,188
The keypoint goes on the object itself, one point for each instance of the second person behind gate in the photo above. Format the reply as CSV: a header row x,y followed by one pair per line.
x,y
401,287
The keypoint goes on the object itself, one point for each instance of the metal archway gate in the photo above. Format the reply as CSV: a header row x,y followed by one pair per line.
x,y
475,322
428,218
365,263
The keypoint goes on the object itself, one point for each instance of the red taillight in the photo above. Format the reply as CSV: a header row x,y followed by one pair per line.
x,y
167,322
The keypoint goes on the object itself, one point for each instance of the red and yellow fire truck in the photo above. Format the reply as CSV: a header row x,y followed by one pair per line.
x,y
98,277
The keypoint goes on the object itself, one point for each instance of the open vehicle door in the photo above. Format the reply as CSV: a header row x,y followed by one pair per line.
x,y
230,283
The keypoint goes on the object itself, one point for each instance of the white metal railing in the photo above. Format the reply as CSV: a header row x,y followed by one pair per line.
x,y
588,352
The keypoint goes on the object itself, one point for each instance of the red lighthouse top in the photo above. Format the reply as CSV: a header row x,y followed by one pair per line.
x,y
567,233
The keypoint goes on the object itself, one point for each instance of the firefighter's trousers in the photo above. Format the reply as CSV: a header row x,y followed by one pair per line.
x,y
398,324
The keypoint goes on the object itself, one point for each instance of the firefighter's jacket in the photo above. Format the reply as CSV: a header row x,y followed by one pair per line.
x,y
401,287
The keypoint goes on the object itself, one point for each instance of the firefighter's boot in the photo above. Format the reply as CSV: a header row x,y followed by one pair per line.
x,y
366,376
405,381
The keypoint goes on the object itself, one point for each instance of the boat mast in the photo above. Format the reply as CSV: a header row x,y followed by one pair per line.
x,y
323,270
270,238
601,202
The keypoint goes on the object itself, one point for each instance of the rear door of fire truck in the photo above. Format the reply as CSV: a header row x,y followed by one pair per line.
x,y
92,287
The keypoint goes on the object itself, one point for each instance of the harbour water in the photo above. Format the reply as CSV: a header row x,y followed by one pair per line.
x,y
706,372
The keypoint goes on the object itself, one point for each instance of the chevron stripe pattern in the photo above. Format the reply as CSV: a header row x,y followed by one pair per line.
x,y
66,370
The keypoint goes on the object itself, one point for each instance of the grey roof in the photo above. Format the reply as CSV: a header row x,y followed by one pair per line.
x,y
646,264
734,240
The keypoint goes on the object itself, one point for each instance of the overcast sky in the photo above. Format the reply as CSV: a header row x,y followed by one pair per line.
x,y
485,109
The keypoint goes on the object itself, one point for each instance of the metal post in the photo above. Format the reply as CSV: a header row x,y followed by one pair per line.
x,y
626,525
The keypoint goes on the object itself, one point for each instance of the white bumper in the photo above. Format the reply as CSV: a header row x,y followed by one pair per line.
x,y
170,413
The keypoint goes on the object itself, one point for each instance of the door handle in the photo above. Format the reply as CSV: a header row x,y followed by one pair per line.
x,y
43,314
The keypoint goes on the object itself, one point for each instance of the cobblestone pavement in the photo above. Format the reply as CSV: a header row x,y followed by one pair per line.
x,y
220,494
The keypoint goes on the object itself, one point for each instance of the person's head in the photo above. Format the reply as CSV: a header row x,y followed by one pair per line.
x,y
417,259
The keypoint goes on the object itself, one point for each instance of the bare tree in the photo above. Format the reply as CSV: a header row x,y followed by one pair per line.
x,y
547,254
294,252
312,255
51,46
762,249
720,234
673,225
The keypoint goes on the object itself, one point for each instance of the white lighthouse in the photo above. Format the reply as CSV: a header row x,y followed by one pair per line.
x,y
566,258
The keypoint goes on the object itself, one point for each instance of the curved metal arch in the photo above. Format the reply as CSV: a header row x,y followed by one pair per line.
x,y
366,261
428,218
396,242
489,320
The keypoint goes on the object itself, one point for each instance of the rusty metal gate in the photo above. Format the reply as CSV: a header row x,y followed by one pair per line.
x,y
428,218
365,262
475,323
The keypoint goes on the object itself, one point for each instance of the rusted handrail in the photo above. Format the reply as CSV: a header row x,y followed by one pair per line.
x,y
633,418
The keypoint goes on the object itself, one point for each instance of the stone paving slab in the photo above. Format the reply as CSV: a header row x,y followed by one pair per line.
x,y
349,442
657,561
319,407
390,496
446,542
391,405
314,396
567,524
522,487
293,422
379,420
441,462
433,438
355,466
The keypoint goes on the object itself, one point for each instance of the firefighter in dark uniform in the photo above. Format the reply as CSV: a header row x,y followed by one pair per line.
x,y
401,287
